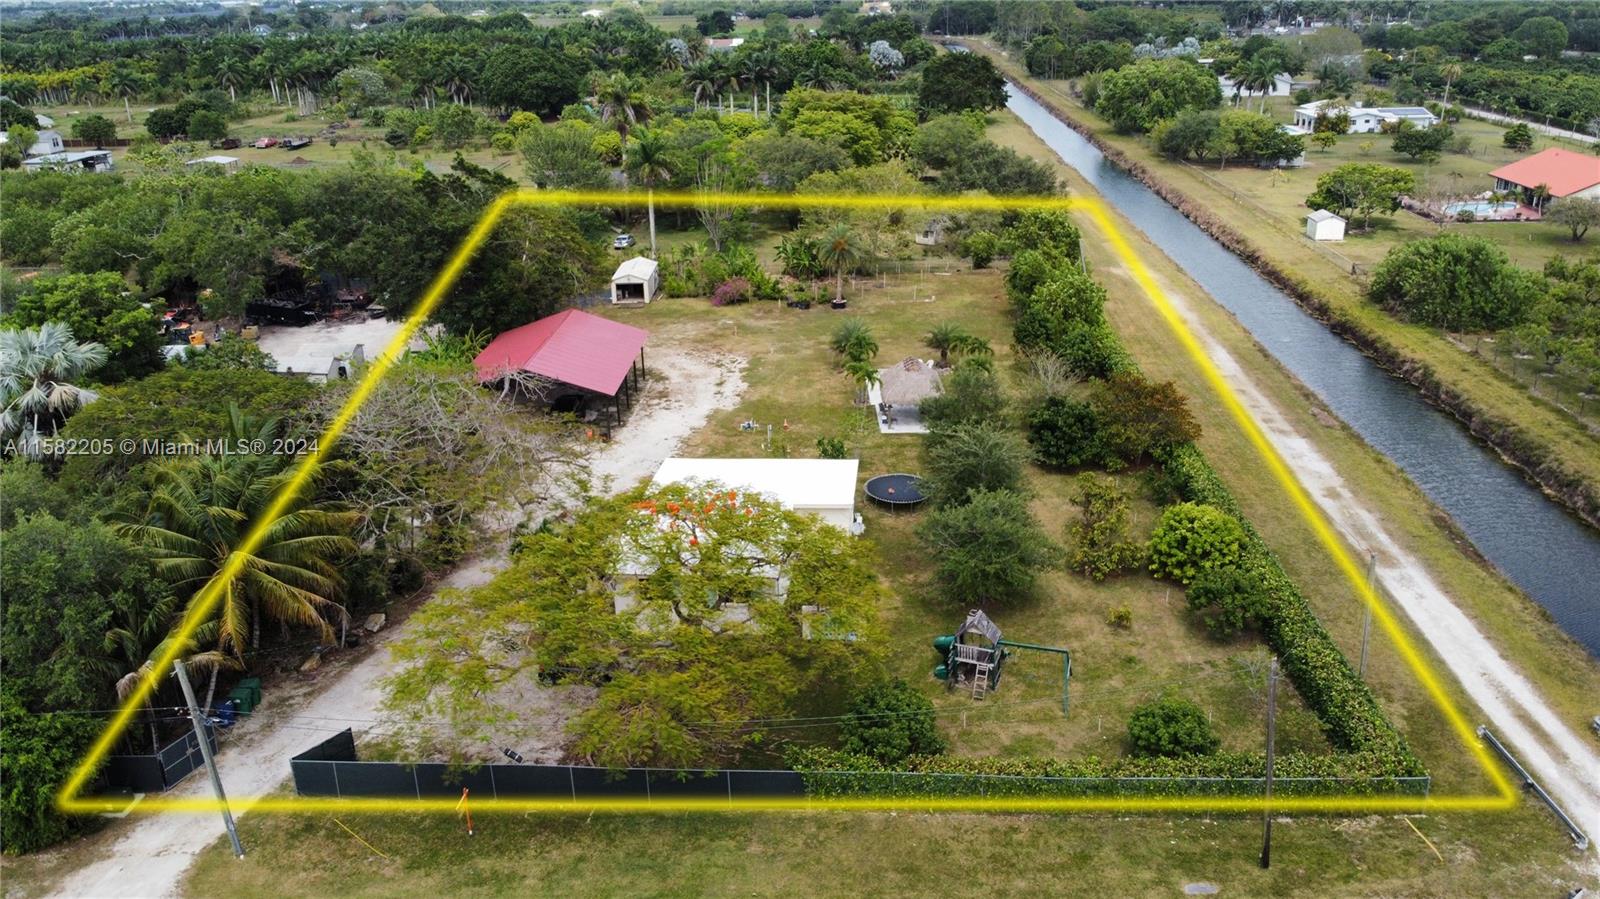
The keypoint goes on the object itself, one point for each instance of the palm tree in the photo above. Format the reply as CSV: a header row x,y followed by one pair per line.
x,y
38,370
1451,71
124,82
949,338
700,80
839,249
652,163
865,374
1259,75
135,639
230,72
617,97
199,515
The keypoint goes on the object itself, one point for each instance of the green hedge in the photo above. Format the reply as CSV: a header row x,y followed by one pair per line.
x,y
833,773
1310,659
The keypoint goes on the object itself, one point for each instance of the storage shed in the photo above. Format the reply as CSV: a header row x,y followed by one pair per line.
x,y
636,280
1324,225
823,487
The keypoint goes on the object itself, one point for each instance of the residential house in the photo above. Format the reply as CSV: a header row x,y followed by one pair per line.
x,y
1363,119
1552,174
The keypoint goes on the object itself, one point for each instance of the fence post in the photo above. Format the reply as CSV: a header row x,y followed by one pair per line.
x,y
336,791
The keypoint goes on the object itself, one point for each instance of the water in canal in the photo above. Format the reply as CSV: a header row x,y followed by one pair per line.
x,y
1547,552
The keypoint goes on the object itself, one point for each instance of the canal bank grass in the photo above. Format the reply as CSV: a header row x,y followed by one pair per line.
x,y
1566,675
1515,398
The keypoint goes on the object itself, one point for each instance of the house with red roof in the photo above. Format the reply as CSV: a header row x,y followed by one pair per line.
x,y
1563,173
595,365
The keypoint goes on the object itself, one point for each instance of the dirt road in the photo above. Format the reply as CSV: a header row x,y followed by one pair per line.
x,y
148,860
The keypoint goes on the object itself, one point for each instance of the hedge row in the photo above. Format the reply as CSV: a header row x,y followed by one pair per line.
x,y
1309,657
1313,663
830,772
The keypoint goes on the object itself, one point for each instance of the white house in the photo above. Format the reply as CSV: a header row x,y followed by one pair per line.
x,y
318,365
1324,225
1363,119
44,143
81,161
824,487
635,281
724,44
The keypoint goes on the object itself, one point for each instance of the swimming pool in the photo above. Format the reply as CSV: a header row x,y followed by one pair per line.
x,y
1481,208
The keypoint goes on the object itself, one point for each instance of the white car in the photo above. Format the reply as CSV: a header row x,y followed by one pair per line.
x,y
622,242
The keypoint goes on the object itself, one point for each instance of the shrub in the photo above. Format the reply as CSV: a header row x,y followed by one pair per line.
x,y
852,339
988,551
1142,416
731,292
1455,282
1229,600
1044,230
969,458
96,129
890,721
1171,727
831,447
1191,538
206,125
1100,544
971,395
1518,137
981,247
1120,618
1066,433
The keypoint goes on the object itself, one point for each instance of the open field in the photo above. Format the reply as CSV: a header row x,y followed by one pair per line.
x,y
1547,420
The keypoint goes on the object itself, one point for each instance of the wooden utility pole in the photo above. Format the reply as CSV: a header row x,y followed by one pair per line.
x,y
1272,734
205,754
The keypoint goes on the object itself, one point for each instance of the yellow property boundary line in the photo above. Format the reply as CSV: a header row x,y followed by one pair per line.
x,y
68,799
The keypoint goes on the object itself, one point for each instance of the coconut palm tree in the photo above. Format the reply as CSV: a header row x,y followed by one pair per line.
x,y
652,163
700,80
39,368
952,339
1259,75
865,374
199,516
839,249
618,99
230,73
1450,72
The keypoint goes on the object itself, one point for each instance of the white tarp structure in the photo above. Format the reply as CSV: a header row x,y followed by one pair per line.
x,y
824,487
636,280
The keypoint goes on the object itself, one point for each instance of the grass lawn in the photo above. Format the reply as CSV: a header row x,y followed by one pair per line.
x,y
1504,395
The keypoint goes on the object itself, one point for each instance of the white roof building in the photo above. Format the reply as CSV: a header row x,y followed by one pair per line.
x,y
86,161
1363,119
636,280
44,143
1324,225
823,487
227,163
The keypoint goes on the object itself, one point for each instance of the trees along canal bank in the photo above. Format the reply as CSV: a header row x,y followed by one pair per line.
x,y
1535,647
1541,440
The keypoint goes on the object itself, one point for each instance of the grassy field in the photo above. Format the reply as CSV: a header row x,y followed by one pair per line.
x,y
1502,393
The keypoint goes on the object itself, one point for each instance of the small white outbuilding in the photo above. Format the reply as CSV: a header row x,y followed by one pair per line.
x,y
1324,225
636,280
823,487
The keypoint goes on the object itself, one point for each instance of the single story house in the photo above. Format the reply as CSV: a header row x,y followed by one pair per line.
x,y
1363,119
724,44
44,143
636,280
320,367
1563,173
80,161
1324,225
823,487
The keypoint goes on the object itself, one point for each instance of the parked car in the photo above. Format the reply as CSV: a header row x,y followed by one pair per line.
x,y
263,143
622,242
295,143
228,143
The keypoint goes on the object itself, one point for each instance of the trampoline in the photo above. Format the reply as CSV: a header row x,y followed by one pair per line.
x,y
897,491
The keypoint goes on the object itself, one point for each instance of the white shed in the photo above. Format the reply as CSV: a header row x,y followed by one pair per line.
x,y
636,280
823,487
1324,225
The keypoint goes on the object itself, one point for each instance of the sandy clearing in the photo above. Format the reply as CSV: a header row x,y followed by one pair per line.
x,y
150,858
1564,763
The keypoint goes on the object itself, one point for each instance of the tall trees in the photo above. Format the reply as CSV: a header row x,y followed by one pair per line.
x,y
100,308
622,105
1363,188
840,249
652,165
536,260
957,82
1455,282
529,78
39,373
1134,98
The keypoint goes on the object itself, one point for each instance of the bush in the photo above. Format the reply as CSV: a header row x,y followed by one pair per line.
x,y
1066,433
1100,544
989,551
1192,538
831,448
37,753
1518,137
1172,728
1142,416
970,458
206,125
852,339
971,395
981,247
96,129
1229,600
1120,618
731,292
889,722
1454,282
